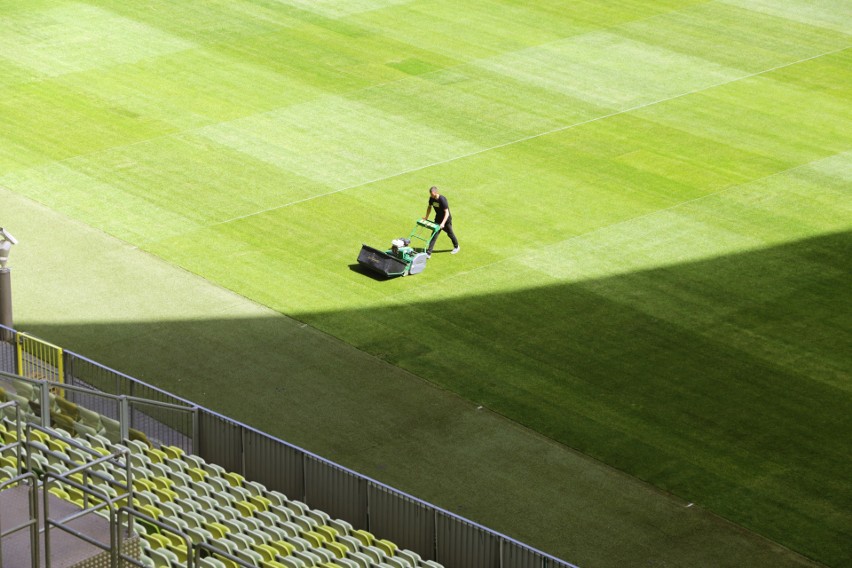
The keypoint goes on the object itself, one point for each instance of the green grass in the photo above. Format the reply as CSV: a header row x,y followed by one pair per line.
x,y
652,198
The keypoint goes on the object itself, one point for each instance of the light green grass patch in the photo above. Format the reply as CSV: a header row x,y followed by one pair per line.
x,y
799,203
503,112
210,22
764,116
734,36
164,187
827,14
338,142
486,29
606,69
342,8
73,37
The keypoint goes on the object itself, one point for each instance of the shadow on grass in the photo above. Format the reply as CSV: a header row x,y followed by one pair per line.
x,y
725,381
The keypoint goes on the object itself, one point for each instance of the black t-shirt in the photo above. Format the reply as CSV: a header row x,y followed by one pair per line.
x,y
440,206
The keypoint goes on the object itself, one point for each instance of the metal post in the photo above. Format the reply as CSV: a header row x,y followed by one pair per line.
x,y
6,297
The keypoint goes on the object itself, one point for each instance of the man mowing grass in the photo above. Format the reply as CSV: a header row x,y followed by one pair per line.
x,y
442,218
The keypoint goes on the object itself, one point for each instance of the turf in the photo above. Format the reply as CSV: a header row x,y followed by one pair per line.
x,y
652,198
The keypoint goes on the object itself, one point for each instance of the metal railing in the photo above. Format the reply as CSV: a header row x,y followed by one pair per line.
x,y
432,532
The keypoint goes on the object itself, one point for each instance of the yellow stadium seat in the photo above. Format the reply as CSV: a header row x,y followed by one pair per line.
x,y
67,408
387,546
165,495
245,508
315,538
260,502
139,435
366,538
196,473
157,456
267,552
218,530
151,511
330,533
173,452
235,479
283,547
338,549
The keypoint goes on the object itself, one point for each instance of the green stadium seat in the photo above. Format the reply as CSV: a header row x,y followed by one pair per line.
x,y
267,518
305,523
377,555
91,419
26,390
258,536
283,547
112,429
412,557
163,558
362,560
235,526
292,562
224,499
350,542
321,517
338,549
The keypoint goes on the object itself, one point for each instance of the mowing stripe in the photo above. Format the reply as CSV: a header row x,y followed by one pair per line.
x,y
533,137
632,219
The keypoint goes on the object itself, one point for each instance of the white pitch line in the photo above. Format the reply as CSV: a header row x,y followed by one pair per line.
x,y
528,138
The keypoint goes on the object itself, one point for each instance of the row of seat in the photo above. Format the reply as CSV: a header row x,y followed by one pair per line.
x,y
72,418
211,505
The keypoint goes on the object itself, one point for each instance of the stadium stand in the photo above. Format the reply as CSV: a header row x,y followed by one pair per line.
x,y
138,477
181,498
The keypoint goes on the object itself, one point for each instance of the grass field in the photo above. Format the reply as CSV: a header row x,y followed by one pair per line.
x,y
653,201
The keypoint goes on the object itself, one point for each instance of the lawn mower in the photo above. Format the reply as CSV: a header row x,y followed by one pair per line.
x,y
402,258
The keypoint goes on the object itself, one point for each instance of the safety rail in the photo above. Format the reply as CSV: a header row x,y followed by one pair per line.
x,y
94,498
21,477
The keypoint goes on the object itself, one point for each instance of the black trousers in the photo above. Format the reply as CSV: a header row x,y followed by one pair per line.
x,y
448,228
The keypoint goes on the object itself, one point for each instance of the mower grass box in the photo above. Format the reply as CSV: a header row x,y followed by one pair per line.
x,y
401,259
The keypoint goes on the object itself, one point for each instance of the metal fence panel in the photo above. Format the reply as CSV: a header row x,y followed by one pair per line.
x,y
516,556
7,349
276,465
220,441
82,372
164,424
336,491
401,519
463,545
